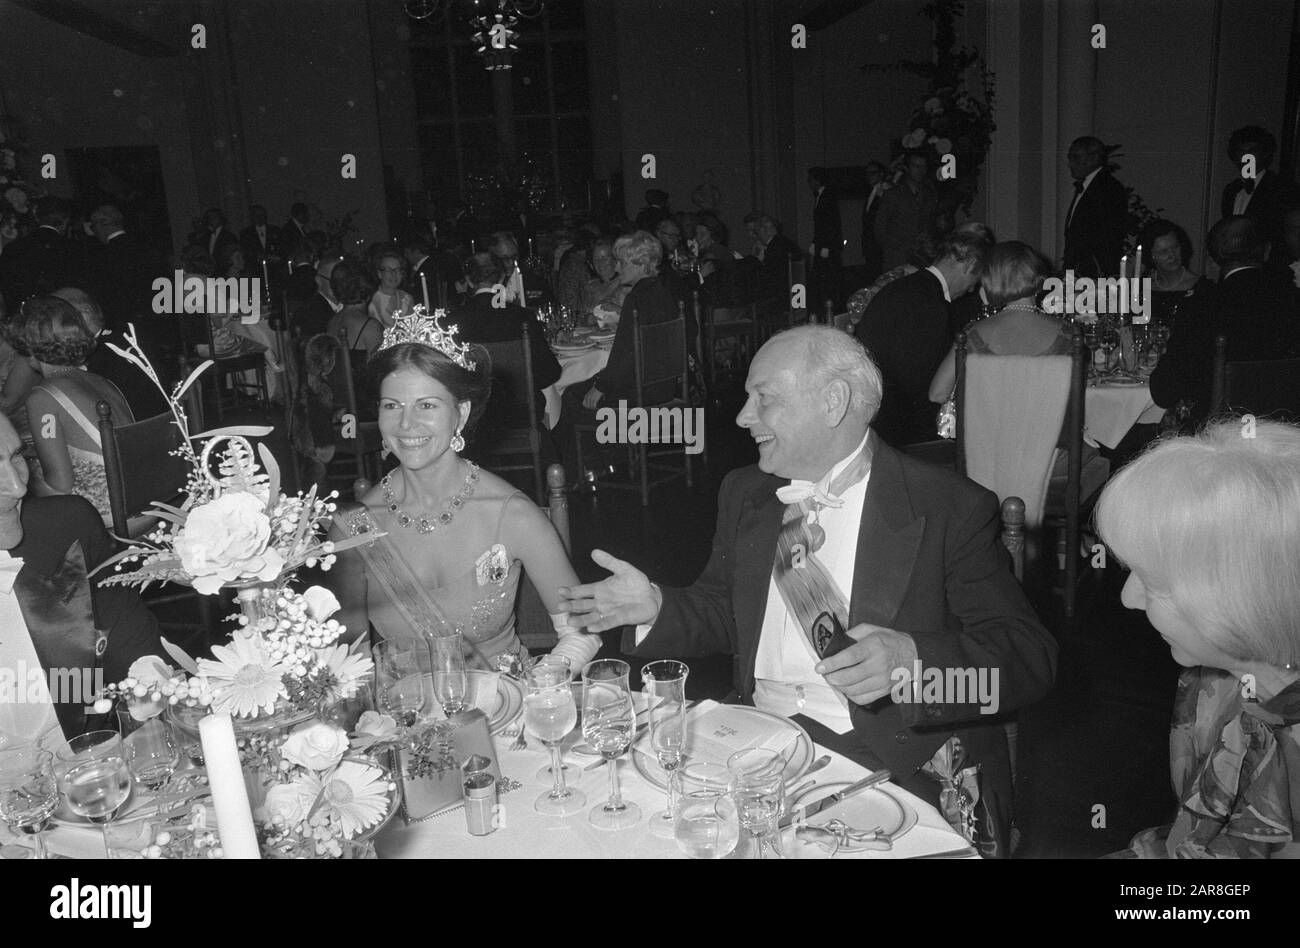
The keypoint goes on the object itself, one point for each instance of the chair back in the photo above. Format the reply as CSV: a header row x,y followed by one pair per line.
x,y
1009,417
660,354
532,619
349,380
510,423
139,465
1265,388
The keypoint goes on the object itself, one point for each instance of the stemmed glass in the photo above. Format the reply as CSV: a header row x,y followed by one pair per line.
x,y
664,684
402,685
29,793
1107,338
705,822
759,780
94,776
608,725
450,683
550,714
151,750
557,661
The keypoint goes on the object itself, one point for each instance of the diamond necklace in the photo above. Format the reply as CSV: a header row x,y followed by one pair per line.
x,y
422,523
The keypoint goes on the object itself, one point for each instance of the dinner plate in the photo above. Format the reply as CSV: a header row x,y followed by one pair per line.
x,y
799,755
864,811
1122,383
573,347
510,706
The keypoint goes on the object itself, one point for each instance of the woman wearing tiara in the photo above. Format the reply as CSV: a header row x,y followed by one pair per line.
x,y
457,535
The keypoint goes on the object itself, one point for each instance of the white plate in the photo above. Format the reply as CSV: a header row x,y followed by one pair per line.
x,y
510,706
799,754
863,811
575,347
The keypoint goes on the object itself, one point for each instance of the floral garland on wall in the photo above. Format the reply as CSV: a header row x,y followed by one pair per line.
x,y
950,119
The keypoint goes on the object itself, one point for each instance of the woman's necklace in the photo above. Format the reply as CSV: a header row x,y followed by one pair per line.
x,y
422,523
1023,307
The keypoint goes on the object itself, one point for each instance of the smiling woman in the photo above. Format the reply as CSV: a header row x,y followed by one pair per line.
x,y
458,537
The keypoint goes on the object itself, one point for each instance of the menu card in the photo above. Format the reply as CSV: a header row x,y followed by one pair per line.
x,y
716,734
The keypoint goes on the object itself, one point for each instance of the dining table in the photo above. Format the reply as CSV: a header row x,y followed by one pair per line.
x,y
522,833
576,365
1112,406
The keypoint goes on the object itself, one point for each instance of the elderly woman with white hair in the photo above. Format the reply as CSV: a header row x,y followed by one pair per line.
x,y
1209,524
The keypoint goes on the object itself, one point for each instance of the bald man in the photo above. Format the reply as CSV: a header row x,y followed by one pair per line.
x,y
910,563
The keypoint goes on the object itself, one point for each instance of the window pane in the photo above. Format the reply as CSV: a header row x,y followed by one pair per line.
x,y
575,159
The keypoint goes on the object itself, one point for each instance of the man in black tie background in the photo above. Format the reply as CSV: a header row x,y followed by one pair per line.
x,y
871,251
261,241
1097,219
827,244
1257,191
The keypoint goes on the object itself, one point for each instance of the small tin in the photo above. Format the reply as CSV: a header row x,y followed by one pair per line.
x,y
480,803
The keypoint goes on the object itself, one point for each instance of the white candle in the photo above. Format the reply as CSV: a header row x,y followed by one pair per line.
x,y
266,279
424,287
1137,278
229,795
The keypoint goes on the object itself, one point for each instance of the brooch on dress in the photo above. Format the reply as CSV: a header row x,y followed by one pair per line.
x,y
493,566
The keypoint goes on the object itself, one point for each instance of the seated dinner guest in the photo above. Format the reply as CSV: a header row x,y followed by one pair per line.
x,y
48,545
457,536
1210,527
905,554
61,409
389,297
604,289
1173,285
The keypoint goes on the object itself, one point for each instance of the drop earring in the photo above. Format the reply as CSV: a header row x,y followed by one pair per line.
x,y
458,443
385,450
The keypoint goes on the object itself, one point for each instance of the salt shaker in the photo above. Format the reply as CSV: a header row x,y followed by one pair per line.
x,y
481,803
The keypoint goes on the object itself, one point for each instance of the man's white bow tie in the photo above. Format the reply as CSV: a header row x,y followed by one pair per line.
x,y
796,492
10,566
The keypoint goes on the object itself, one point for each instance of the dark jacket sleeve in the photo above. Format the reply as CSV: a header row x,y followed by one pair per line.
x,y
619,374
699,620
1000,630
546,368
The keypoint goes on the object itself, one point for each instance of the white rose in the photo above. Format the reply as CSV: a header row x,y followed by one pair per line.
x,y
933,106
376,725
321,603
316,746
914,139
226,539
289,801
943,146
150,671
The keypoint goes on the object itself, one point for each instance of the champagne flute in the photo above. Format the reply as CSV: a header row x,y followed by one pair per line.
x,y
450,683
550,714
705,821
664,683
151,750
29,793
402,685
759,778
608,725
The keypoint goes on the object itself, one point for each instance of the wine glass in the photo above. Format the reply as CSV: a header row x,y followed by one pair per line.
x,y
664,684
402,685
758,776
705,821
450,683
1107,338
558,661
94,776
151,750
608,725
29,793
550,714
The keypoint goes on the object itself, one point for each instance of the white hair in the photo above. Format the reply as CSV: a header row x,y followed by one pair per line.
x,y
1212,522
832,354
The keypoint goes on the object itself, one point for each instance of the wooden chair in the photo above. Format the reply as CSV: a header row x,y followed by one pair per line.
x,y
289,395
659,352
361,451
1067,497
512,424
1268,388
1013,538
229,368
532,620
737,325
140,468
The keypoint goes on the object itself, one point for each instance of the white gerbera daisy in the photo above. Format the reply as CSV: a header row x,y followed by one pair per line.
x,y
354,797
347,667
243,678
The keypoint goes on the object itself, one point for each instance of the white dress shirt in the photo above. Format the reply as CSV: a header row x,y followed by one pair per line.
x,y
26,710
783,669
942,282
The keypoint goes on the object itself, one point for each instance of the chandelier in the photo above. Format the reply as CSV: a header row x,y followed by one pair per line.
x,y
493,22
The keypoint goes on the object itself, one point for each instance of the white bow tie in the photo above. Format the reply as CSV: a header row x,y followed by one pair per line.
x,y
796,492
10,566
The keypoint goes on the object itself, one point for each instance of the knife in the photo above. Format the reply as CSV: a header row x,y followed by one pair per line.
x,y
803,812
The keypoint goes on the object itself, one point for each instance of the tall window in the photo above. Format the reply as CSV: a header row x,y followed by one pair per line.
x,y
471,120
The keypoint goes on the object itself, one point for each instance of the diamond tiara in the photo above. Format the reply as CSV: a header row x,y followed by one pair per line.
x,y
419,326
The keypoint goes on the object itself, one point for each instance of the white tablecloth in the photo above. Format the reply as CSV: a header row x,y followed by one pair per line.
x,y
529,835
575,367
1109,411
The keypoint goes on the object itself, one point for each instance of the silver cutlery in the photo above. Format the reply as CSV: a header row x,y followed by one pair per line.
x,y
802,812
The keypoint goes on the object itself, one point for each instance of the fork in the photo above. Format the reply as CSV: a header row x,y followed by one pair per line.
x,y
516,731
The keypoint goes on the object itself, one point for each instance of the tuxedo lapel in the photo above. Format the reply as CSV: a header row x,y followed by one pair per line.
x,y
756,536
889,539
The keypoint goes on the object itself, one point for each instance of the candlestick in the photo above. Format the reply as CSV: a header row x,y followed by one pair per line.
x,y
424,286
229,794
1137,282
266,278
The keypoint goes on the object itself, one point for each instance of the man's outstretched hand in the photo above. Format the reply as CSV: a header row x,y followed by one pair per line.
x,y
625,598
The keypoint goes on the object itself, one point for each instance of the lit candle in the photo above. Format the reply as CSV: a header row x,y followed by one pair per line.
x,y
1137,278
266,278
229,794
424,286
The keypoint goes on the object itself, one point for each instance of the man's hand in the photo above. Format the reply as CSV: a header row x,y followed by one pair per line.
x,y
862,672
592,399
626,598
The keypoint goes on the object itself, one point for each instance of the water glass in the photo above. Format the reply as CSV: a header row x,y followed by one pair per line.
x,y
664,684
450,683
706,824
151,748
609,725
94,776
401,682
549,715
758,776
559,661
29,793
